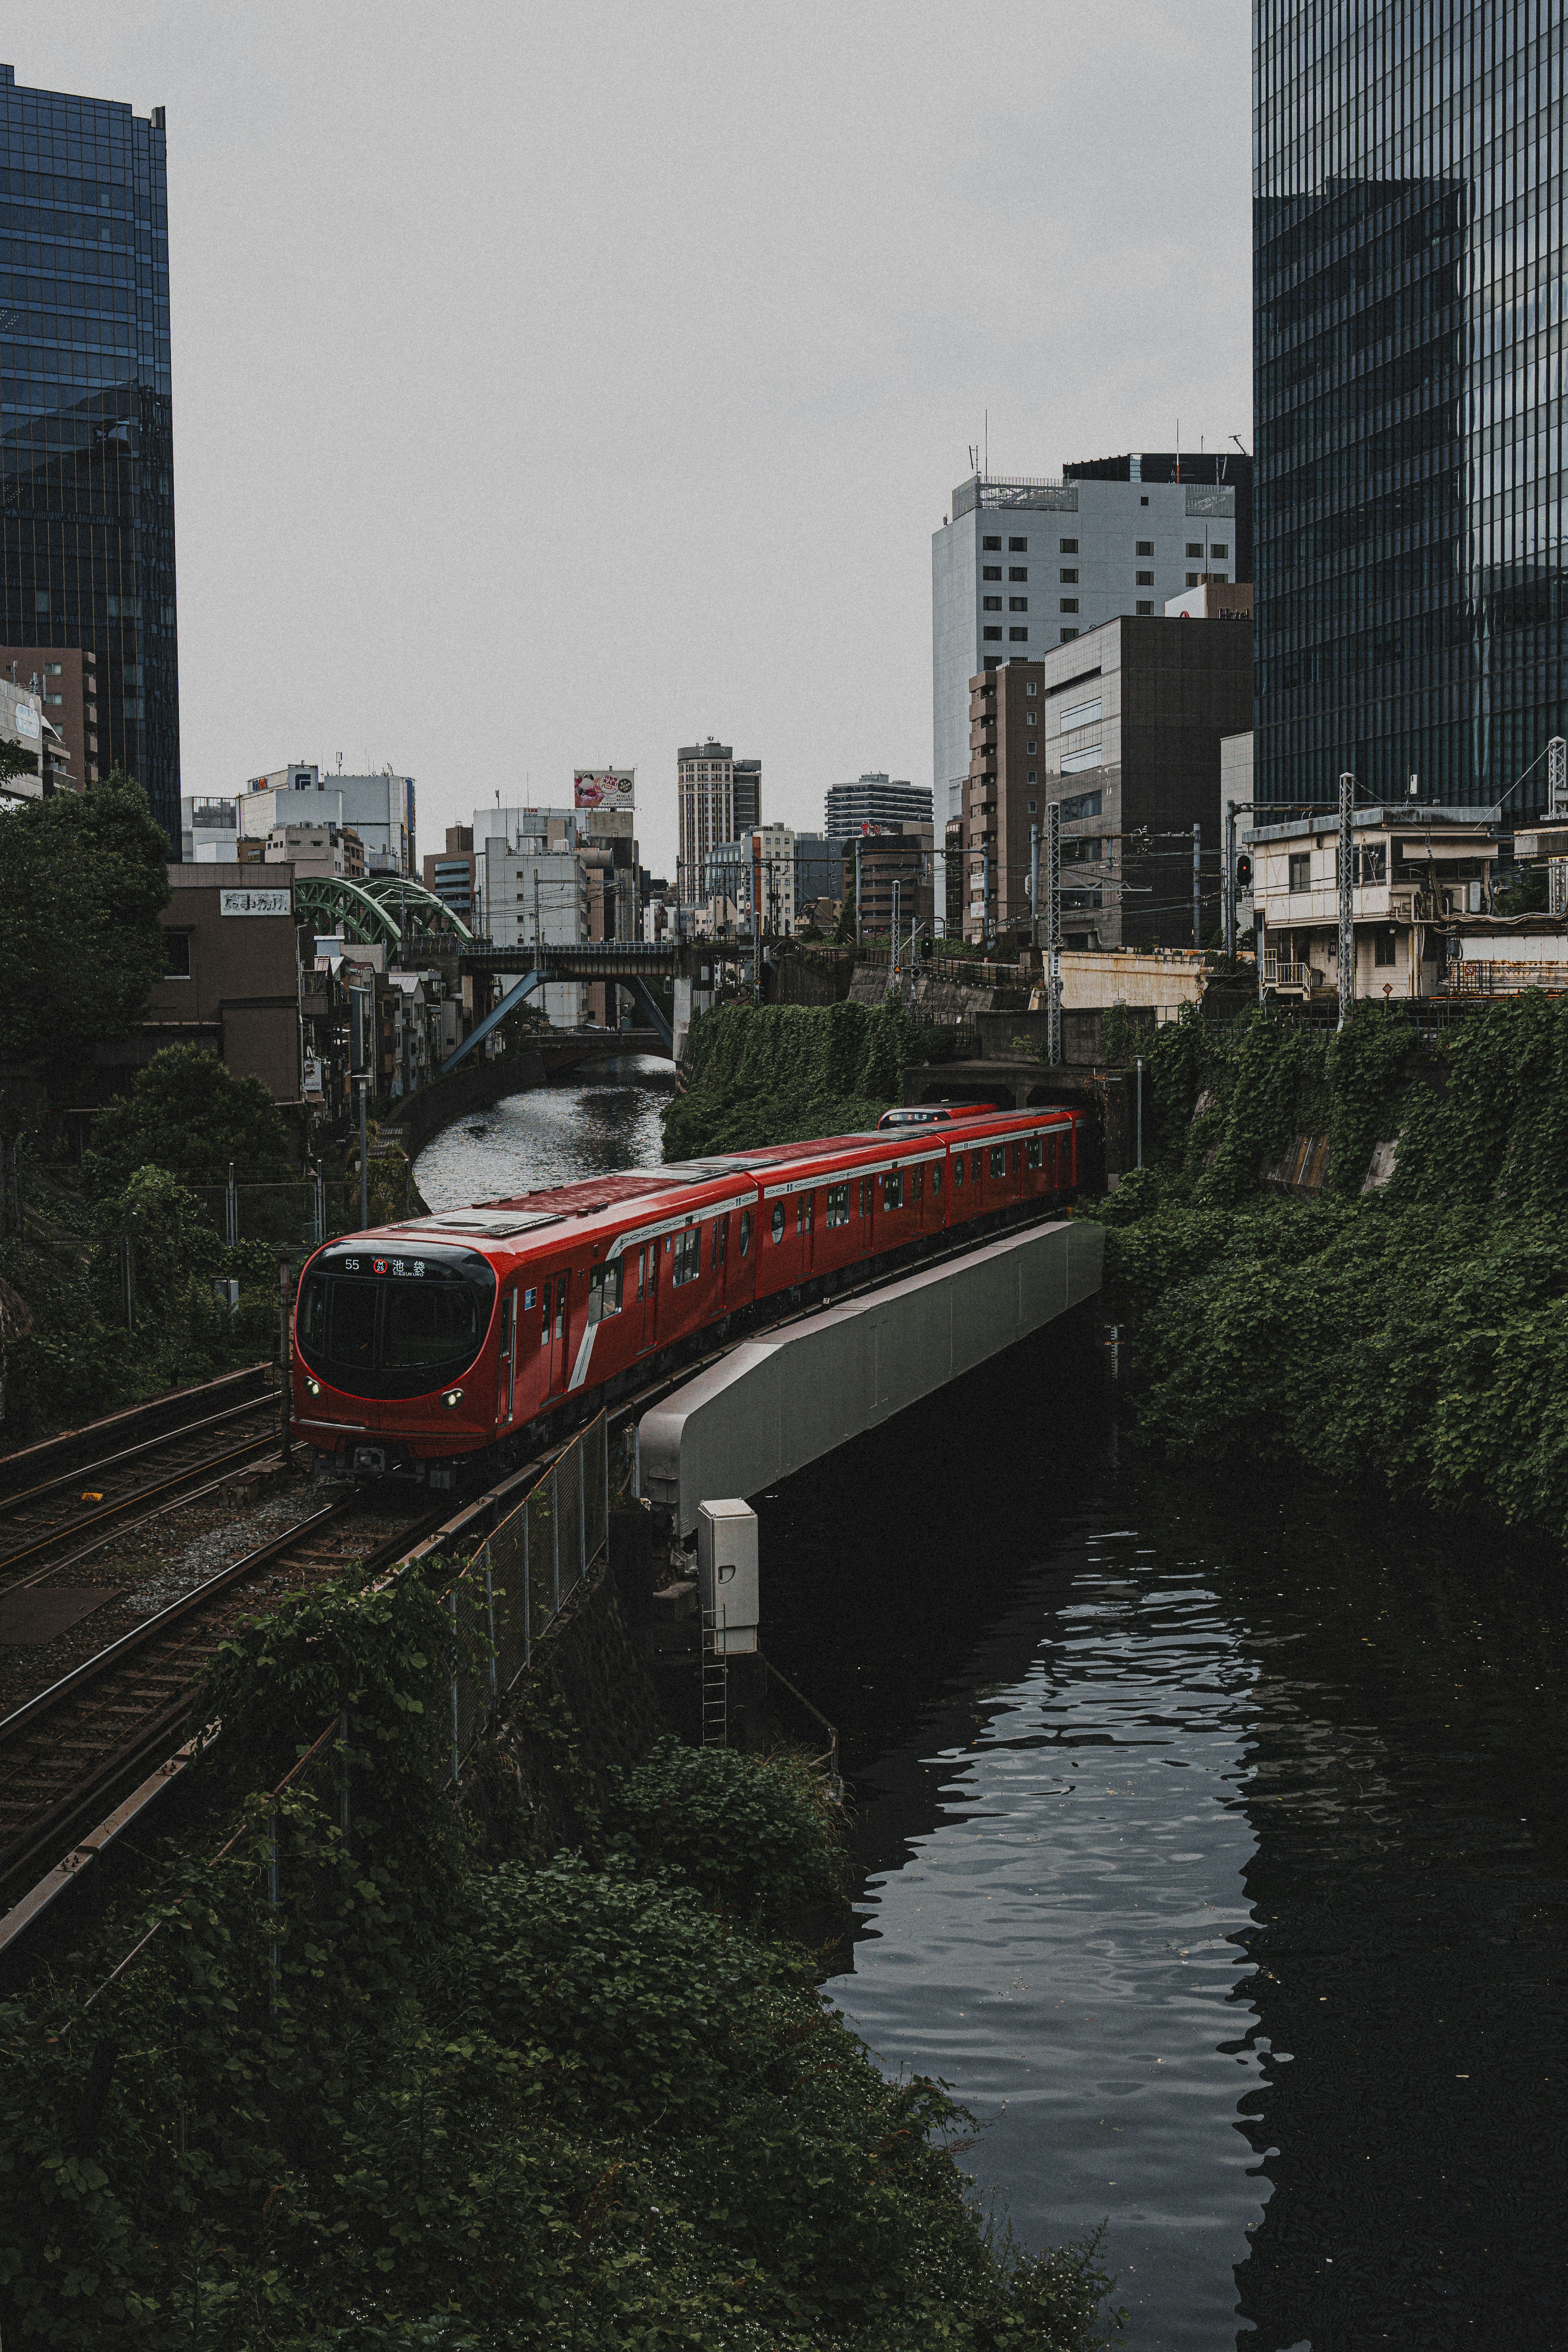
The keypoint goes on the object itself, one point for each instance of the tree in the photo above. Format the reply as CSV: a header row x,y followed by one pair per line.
x,y
189,1113
16,760
844,930
83,881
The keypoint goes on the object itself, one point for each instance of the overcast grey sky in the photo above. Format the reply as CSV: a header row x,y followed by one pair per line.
x,y
557,384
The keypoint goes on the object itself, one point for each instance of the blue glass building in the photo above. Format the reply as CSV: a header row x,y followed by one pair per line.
x,y
1409,283
85,449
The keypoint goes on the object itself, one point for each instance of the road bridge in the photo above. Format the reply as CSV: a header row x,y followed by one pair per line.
x,y
776,1402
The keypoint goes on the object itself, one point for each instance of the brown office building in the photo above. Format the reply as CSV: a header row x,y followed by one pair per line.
x,y
67,680
886,858
1122,728
233,973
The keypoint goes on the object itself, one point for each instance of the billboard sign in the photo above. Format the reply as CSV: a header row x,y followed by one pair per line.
x,y
605,788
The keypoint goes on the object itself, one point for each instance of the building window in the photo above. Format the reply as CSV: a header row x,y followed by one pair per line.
x,y
991,604
1085,805
1144,547
1017,603
1194,580
1068,636
1018,571
1032,778
1219,551
1301,871
1068,605
1018,637
991,572
1144,605
1031,747
1031,689
1068,546
1382,948
1195,547
176,955
1017,546
989,634
1034,805
1143,579
991,546
1069,574
1218,577
1143,502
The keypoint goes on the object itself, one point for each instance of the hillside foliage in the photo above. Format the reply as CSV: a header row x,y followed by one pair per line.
x,y
780,1073
1413,1334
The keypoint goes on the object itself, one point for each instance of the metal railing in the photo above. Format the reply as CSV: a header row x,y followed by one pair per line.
x,y
1501,978
520,1579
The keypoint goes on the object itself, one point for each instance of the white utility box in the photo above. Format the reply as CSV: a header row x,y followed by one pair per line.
x,y
727,1574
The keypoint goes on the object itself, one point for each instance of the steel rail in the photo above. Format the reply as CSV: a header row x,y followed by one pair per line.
x,y
25,1497
46,1451
21,1553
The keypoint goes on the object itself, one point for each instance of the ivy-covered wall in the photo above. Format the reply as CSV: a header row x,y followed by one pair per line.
x,y
1413,1335
777,1073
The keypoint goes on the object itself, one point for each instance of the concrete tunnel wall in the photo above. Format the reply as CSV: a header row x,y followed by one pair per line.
x,y
773,1406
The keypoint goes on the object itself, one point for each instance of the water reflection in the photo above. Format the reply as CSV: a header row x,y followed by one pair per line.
x,y
1210,1848
551,1135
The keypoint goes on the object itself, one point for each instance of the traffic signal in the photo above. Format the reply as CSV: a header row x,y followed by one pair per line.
x,y
1244,871
925,943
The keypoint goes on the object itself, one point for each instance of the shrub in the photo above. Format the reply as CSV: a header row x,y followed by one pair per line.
x,y
755,1835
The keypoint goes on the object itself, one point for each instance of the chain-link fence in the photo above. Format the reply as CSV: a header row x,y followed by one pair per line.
x,y
522,1578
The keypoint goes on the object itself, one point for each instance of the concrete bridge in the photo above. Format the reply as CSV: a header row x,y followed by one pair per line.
x,y
774,1403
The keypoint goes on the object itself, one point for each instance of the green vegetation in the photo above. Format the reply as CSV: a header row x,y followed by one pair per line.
x,y
187,1113
1412,1335
776,1073
81,882
452,2092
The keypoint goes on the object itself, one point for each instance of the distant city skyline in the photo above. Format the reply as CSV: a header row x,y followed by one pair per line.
x,y
487,463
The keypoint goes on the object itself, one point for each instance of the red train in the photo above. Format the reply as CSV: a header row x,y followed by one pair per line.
x,y
449,1336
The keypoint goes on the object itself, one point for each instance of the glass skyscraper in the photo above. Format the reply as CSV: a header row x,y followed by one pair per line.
x,y
86,450
1409,309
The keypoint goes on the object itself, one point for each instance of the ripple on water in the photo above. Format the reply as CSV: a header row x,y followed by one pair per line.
x,y
551,1135
1061,1946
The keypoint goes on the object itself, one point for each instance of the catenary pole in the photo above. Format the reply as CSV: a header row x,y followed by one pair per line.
x,y
1197,885
1231,881
1034,886
1054,932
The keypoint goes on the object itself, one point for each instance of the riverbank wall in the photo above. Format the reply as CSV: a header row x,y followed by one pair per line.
x,y
411,1122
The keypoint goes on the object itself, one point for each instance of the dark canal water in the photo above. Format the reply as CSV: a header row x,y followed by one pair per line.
x,y
1211,1847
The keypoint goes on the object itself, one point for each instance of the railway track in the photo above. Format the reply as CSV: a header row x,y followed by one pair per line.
x,y
89,1482
67,1753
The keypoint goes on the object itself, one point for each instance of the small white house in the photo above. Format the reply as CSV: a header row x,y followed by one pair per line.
x,y
1414,869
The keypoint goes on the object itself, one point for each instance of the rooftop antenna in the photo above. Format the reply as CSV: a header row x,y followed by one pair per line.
x,y
986,428
1237,438
1178,448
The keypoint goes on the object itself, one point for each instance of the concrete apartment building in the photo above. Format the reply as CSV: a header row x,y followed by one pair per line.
x,y
874,862
24,725
1416,867
877,800
379,809
316,849
450,876
231,976
65,679
719,799
1021,567
1122,728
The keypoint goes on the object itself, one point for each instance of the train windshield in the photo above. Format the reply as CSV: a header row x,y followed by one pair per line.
x,y
393,1327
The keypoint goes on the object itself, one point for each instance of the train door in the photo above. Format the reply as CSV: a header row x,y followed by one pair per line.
x,y
721,1246
558,1302
506,1378
866,1187
805,1228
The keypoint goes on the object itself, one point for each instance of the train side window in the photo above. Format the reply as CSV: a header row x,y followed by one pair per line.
x,y
958,1169
640,1273
836,1205
974,1165
561,1282
804,1211
936,1179
720,1240
893,1189
688,1254
866,1184
1037,1151
605,1291
998,1160
1017,1158
778,1222
545,1316
745,1230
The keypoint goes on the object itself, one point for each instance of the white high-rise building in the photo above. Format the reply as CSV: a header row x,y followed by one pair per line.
x,y
1026,566
380,809
530,885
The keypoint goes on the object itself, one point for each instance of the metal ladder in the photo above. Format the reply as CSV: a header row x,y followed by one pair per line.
x,y
715,1683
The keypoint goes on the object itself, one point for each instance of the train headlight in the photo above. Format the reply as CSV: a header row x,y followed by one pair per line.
x,y
453,1396
312,1387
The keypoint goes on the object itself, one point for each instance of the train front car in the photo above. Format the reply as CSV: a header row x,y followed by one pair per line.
x,y
390,1337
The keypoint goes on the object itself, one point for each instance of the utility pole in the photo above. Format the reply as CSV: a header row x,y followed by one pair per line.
x,y
1054,932
857,839
1034,886
986,933
1231,881
1197,886
1347,897
364,1159
895,944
